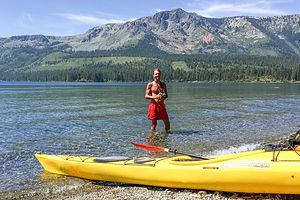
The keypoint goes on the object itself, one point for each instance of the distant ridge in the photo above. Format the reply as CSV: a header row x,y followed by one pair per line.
x,y
180,32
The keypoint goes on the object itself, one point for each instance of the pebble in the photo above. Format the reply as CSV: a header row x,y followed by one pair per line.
x,y
119,191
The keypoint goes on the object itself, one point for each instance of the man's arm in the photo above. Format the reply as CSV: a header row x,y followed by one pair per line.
x,y
165,89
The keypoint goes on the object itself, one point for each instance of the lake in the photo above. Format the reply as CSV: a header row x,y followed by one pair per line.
x,y
98,119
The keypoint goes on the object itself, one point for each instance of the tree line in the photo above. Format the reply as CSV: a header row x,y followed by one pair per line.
x,y
206,68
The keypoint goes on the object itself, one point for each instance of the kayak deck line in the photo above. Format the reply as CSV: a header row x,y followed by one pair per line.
x,y
275,157
110,159
176,160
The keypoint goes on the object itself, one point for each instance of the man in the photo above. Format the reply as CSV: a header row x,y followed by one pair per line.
x,y
156,91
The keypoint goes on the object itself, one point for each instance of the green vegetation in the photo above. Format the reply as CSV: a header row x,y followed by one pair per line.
x,y
129,66
180,65
70,63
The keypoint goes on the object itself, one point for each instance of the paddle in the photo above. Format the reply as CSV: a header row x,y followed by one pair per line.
x,y
154,148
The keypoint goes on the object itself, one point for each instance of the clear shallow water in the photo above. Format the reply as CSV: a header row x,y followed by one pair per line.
x,y
97,119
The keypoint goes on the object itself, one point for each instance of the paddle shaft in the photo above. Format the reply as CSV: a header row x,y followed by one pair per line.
x,y
186,154
154,148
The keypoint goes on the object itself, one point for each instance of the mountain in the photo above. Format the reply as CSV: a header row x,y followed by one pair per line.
x,y
177,32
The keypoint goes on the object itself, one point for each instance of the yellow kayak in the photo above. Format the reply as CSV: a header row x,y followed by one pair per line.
x,y
251,172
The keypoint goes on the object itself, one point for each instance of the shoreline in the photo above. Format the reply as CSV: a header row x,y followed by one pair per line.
x,y
111,190
145,82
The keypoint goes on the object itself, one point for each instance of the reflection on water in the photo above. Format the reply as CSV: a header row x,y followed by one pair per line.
x,y
158,139
46,179
97,119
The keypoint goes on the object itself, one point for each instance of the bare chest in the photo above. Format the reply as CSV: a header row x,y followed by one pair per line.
x,y
156,88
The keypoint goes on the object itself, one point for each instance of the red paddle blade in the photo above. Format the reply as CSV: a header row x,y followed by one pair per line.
x,y
147,147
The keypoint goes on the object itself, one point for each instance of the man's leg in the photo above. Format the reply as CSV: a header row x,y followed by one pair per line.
x,y
154,123
167,124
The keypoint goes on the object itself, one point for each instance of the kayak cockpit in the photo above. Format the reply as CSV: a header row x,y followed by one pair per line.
x,y
186,161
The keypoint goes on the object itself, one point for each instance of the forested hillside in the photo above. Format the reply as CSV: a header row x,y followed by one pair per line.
x,y
121,66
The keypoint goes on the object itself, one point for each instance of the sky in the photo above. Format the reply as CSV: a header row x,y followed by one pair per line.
x,y
72,17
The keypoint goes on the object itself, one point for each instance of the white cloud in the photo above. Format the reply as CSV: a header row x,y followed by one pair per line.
x,y
233,8
88,19
25,22
156,10
26,19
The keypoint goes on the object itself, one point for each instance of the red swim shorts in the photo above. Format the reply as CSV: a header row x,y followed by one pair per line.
x,y
157,111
